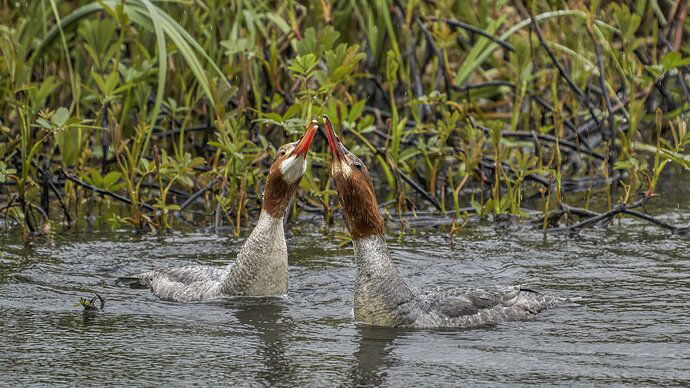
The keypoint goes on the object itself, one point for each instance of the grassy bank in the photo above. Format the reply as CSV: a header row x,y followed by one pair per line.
x,y
152,113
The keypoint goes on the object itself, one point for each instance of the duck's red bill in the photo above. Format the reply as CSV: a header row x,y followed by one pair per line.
x,y
305,142
333,141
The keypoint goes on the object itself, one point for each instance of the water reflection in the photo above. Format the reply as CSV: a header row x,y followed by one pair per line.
x,y
270,319
373,358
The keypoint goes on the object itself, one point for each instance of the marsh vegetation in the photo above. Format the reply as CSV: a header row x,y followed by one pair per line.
x,y
160,114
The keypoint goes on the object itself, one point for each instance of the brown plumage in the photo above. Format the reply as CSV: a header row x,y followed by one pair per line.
x,y
355,190
360,209
278,192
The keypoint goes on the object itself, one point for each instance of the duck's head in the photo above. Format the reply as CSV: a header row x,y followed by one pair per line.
x,y
286,171
354,187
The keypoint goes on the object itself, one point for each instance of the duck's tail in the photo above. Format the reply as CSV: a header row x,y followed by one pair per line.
x,y
544,301
140,281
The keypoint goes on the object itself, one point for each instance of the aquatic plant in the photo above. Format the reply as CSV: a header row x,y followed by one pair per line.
x,y
486,107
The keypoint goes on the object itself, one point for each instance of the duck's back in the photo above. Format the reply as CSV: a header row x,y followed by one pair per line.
x,y
185,284
481,307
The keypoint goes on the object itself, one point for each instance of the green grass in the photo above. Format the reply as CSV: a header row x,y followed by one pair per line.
x,y
157,102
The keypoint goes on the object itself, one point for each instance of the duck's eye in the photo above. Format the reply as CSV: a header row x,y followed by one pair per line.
x,y
282,152
357,165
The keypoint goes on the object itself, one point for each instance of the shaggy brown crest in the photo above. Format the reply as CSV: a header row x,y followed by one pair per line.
x,y
355,189
278,192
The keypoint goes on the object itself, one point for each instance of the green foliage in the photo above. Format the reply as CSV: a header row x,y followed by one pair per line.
x,y
156,100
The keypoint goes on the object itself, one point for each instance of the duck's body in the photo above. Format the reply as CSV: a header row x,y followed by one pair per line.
x,y
382,297
261,269
261,266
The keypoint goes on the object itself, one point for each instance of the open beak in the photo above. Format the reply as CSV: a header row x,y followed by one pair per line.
x,y
333,141
305,142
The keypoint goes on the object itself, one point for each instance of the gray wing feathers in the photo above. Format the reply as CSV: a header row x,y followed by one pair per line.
x,y
185,284
494,304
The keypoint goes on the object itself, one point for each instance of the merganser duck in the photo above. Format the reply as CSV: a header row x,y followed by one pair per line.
x,y
260,268
382,297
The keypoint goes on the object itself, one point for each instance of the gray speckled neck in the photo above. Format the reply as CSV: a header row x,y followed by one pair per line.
x,y
261,265
381,295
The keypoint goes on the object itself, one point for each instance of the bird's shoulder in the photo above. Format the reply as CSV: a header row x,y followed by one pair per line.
x,y
457,302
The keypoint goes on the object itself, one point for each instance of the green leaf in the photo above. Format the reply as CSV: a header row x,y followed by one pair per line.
x,y
111,178
111,82
44,123
408,153
304,65
292,111
99,81
60,117
356,111
313,44
628,22
673,60
279,22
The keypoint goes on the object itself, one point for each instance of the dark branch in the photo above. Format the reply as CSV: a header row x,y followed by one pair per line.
x,y
103,192
473,29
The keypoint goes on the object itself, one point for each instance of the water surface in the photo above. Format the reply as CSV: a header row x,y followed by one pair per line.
x,y
631,326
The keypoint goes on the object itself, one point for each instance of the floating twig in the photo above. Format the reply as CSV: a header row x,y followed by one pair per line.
x,y
594,217
89,305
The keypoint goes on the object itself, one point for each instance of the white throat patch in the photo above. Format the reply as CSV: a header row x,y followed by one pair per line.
x,y
345,167
293,168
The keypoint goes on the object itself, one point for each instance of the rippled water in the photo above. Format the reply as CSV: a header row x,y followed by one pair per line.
x,y
631,326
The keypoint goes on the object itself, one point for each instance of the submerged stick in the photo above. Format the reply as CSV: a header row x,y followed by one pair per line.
x,y
595,217
608,215
682,230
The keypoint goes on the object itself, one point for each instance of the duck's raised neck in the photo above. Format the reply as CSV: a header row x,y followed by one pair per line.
x,y
361,212
380,291
277,195
261,264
